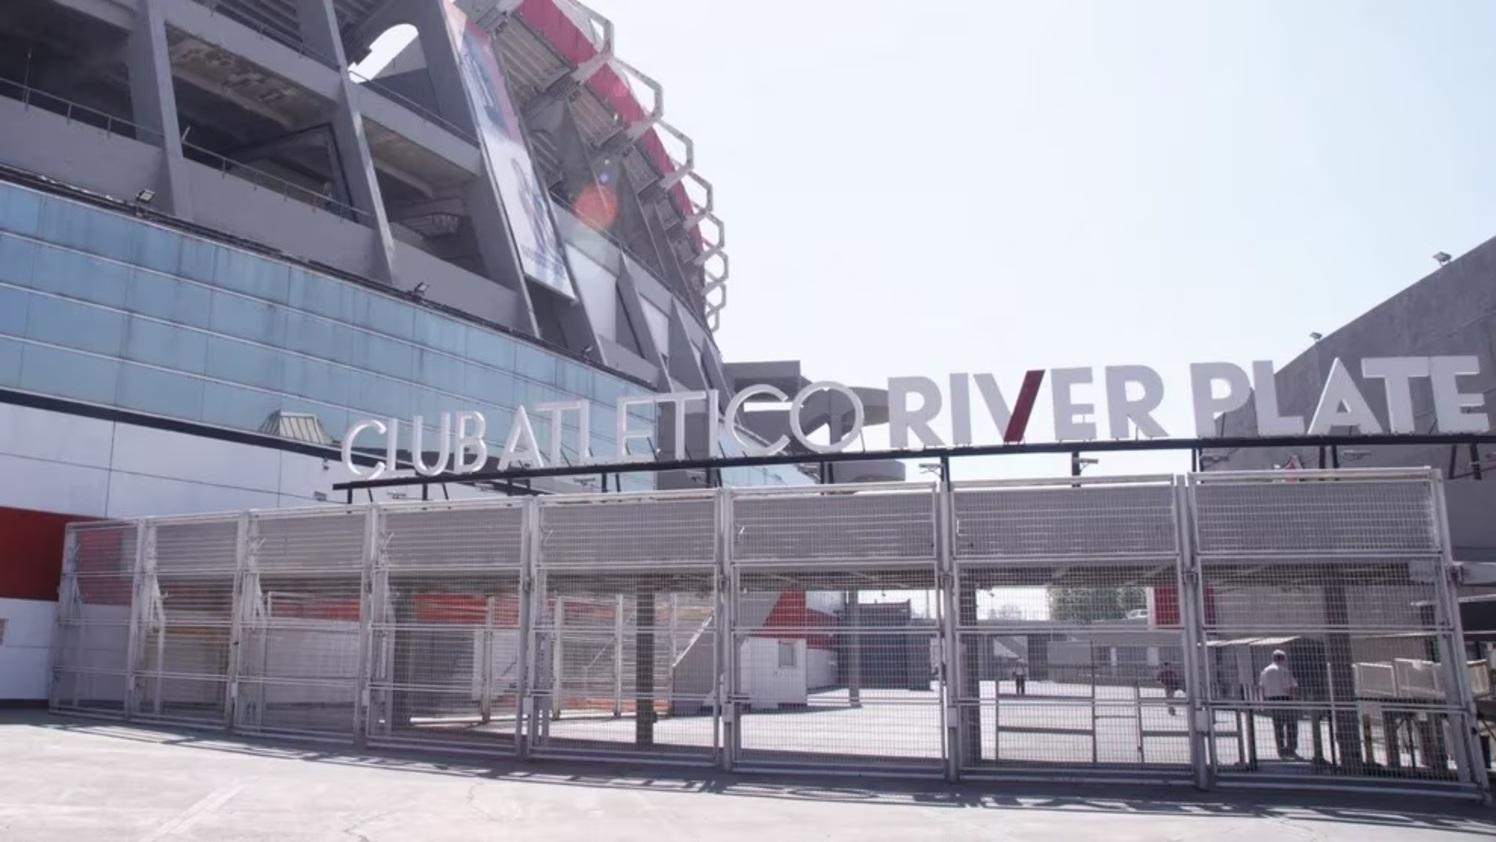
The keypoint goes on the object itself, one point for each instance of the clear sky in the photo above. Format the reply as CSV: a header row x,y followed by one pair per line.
x,y
992,185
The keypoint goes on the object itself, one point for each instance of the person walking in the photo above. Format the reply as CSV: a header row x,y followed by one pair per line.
x,y
1277,684
1020,679
1172,684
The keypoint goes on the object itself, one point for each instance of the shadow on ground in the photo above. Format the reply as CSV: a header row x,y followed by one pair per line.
x,y
1403,811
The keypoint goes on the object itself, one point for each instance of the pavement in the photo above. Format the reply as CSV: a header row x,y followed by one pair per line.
x,y
79,779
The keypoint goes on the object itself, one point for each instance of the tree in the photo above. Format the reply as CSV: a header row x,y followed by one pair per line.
x,y
1094,605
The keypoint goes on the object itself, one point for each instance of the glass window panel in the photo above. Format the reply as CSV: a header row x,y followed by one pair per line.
x,y
199,259
430,404
63,222
111,235
535,364
156,295
385,356
243,409
378,397
382,314
438,371
489,347
319,294
10,362
440,332
13,310
315,379
80,276
166,345
160,392
239,362
19,210
319,337
157,248
248,318
577,379
17,259
74,324
489,386
67,374
252,275
607,389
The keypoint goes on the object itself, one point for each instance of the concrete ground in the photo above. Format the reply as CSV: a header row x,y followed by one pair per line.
x,y
76,779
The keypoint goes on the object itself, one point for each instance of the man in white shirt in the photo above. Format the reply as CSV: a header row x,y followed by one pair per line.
x,y
1277,684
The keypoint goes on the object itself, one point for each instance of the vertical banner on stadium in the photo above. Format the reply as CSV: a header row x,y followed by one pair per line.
x,y
509,163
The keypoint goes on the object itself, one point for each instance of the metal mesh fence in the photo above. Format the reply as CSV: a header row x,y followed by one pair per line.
x,y
1285,628
1072,653
624,639
1330,648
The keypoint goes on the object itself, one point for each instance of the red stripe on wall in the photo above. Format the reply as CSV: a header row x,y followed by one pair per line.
x,y
1018,423
31,552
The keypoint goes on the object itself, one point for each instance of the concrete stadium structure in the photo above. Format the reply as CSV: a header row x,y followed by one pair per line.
x,y
220,243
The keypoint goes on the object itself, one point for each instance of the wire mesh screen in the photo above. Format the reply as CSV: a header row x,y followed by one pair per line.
x,y
1052,520
447,651
187,617
95,599
822,527
303,605
624,642
1328,644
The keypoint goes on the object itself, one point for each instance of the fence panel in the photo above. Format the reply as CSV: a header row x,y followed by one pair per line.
x,y
186,604
624,641
304,602
91,663
447,654
1073,659
836,642
1327,619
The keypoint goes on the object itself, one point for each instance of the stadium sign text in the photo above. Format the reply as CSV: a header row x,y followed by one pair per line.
x,y
1132,394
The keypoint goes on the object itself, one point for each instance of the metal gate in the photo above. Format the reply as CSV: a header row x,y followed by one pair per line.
x,y
1344,579
835,647
1072,655
624,639
1113,628
447,654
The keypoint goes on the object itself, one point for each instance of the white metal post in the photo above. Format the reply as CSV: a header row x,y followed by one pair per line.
x,y
67,597
1192,623
133,641
485,669
236,620
524,714
618,657
727,677
950,660
1469,760
371,600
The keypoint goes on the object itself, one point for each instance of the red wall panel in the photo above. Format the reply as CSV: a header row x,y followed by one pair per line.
x,y
31,552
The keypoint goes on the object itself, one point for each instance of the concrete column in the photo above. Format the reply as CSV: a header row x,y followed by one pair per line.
x,y
355,164
429,17
153,102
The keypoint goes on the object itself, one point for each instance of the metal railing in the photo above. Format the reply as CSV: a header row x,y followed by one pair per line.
x,y
76,112
286,38
261,178
420,110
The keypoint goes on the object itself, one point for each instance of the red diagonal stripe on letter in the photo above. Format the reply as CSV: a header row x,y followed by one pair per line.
x,y
1018,423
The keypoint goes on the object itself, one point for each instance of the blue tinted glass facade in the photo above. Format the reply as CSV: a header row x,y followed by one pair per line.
x,y
100,307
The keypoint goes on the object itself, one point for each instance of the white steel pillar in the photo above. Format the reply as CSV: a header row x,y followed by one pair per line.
x,y
945,578
525,719
67,598
236,620
372,596
139,579
1469,760
1192,627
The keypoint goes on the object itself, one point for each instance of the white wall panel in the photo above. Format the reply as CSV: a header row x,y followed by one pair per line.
x,y
136,495
162,453
55,436
26,647
52,486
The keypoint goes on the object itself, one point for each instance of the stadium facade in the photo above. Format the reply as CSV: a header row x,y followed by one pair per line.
x,y
220,244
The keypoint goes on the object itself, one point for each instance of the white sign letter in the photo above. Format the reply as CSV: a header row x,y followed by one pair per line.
x,y
1265,398
625,434
734,406
1066,410
443,450
1121,409
960,410
901,419
1450,403
858,416
1340,390
1397,374
521,448
370,424
1203,377
473,440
